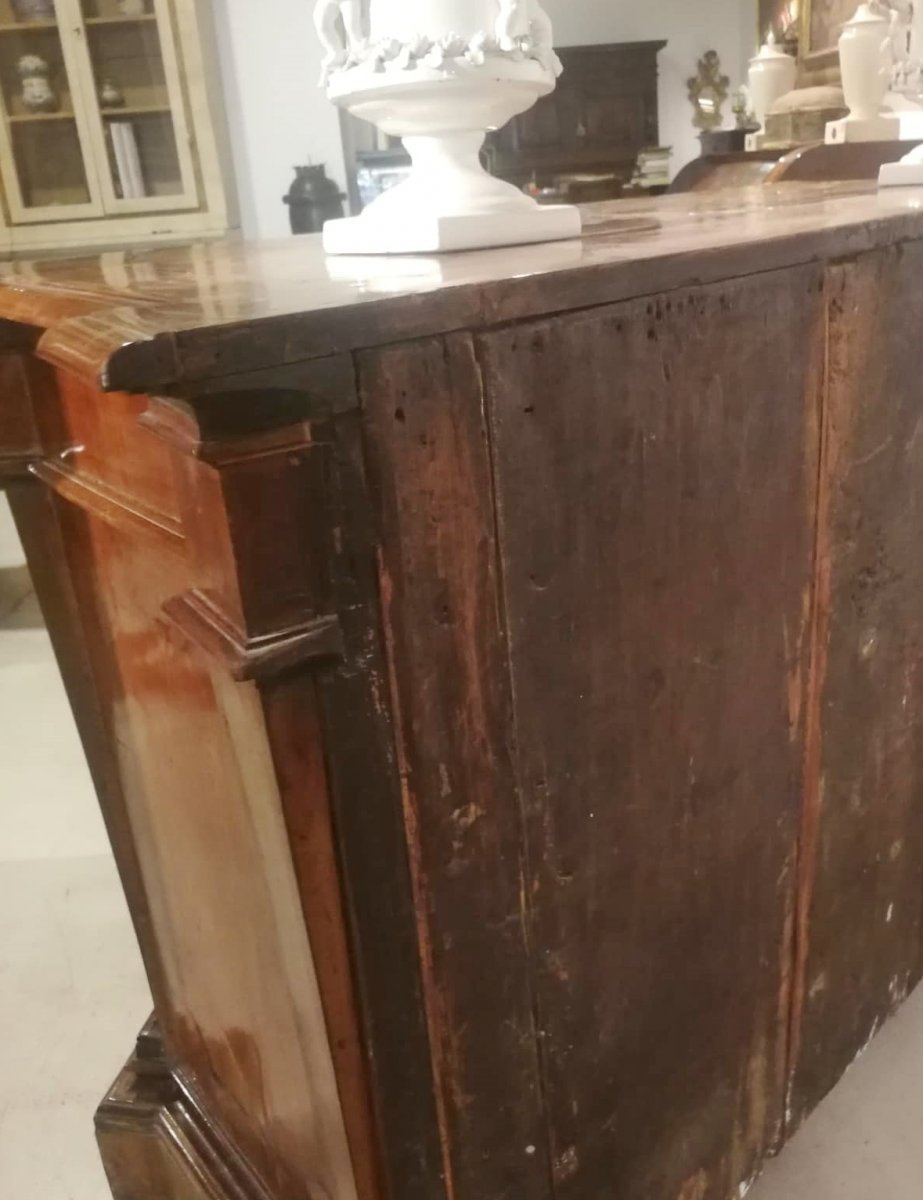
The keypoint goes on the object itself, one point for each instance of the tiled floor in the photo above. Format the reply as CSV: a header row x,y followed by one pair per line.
x,y
72,992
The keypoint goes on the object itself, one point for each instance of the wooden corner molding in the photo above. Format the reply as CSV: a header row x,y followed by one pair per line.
x,y
157,1143
17,467
260,658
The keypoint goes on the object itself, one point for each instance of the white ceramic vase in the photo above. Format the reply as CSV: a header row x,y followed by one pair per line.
x,y
440,74
772,75
866,62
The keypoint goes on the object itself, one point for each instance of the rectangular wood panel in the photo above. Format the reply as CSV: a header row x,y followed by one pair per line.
x,y
430,474
862,895
656,467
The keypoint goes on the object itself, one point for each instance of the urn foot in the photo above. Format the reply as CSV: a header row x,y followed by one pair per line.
x,y
869,129
449,203
436,234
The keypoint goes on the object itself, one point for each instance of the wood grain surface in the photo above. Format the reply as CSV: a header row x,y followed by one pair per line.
x,y
427,446
861,900
657,540
502,681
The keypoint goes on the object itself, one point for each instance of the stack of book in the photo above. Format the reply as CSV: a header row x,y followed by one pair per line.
x,y
652,168
127,160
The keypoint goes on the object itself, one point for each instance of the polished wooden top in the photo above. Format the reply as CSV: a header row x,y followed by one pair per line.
x,y
166,318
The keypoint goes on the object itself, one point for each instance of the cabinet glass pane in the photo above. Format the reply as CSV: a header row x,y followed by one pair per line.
x,y
134,104
38,108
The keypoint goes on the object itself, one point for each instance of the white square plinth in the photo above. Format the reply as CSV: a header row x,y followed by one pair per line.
x,y
901,174
849,129
432,235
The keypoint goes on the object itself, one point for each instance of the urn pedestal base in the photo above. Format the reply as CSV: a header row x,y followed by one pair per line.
x,y
435,234
449,202
872,129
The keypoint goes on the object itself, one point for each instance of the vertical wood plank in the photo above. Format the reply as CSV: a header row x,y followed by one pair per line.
x,y
862,895
369,828
430,475
656,466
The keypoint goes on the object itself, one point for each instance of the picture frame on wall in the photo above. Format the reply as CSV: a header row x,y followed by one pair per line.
x,y
821,22
781,18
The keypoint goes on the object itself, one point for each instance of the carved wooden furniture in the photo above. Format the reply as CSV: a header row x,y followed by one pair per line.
x,y
502,680
602,114
131,145
818,163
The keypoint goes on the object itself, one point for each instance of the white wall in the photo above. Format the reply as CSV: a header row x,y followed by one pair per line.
x,y
278,116
690,27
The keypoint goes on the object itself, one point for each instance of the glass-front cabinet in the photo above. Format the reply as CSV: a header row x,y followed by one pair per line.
x,y
107,128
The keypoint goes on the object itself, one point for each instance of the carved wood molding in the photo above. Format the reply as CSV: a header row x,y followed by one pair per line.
x,y
105,502
157,1141
254,658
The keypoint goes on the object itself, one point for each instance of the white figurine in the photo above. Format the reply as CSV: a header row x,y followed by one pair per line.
x,y
526,20
512,23
541,32
342,28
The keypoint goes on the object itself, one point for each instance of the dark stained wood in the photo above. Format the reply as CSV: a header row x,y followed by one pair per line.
x,y
428,453
157,1143
365,790
657,605
862,892
817,163
598,119
823,163
500,677
281,303
715,172
19,442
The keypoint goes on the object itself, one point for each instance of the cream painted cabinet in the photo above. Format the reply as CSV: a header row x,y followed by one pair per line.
x,y
111,123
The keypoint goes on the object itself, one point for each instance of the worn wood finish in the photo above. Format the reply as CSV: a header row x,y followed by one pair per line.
x,y
804,164
667,619
428,447
19,443
500,678
158,1144
161,323
861,901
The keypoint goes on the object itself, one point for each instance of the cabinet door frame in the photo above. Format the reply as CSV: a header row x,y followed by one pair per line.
x,y
21,213
112,203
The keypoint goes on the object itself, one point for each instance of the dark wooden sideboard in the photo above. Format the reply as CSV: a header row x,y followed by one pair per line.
x,y
602,114
502,680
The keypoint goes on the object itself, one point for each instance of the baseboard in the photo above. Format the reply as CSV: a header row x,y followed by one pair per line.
x,y
157,1144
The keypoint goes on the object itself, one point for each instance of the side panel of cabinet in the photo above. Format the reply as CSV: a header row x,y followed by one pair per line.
x,y
655,470
861,903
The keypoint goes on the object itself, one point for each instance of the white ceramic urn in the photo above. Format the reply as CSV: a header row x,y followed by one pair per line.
x,y
772,75
440,74
866,62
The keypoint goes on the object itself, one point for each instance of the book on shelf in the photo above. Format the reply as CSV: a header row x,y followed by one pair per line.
x,y
127,160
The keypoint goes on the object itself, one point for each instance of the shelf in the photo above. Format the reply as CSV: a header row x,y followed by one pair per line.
x,y
139,20
29,27
26,118
136,110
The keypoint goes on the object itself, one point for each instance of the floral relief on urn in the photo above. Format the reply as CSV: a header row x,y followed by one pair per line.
x,y
439,74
